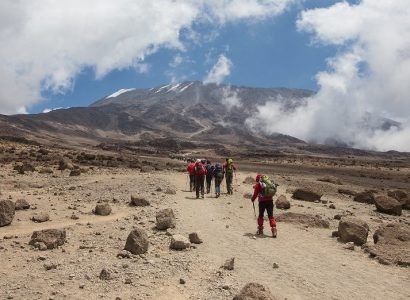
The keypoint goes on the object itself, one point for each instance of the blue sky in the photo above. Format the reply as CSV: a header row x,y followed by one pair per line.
x,y
264,53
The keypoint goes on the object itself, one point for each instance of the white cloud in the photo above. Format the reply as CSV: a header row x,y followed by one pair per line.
x,y
176,61
219,71
46,43
230,98
368,79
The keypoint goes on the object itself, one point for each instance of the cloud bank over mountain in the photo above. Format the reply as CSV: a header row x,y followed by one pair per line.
x,y
366,81
46,44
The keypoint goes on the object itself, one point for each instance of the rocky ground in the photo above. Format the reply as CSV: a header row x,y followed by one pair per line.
x,y
368,257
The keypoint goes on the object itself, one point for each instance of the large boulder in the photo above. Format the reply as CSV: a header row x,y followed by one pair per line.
x,y
137,241
254,291
307,194
282,202
347,192
138,201
354,230
388,205
7,210
364,197
392,244
400,196
103,209
22,204
179,242
52,238
165,219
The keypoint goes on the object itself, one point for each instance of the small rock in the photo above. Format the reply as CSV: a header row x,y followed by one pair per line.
x,y
50,266
229,264
22,204
103,209
51,238
139,201
349,246
275,266
165,219
179,242
194,238
332,206
181,281
40,217
105,274
282,202
7,211
137,241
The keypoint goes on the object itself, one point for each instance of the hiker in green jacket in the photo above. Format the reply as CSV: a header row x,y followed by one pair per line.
x,y
229,168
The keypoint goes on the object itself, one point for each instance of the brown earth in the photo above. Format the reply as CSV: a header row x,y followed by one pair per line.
x,y
301,263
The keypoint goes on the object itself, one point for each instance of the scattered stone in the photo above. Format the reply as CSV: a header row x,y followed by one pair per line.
x,y
65,164
127,281
229,264
146,169
347,192
331,179
52,238
124,254
179,242
303,219
75,172
170,191
365,197
103,209
388,205
254,291
307,194
335,233
165,219
194,238
46,170
337,217
282,202
249,180
50,266
181,281
137,241
275,266
7,210
139,201
74,217
353,230
349,246
21,168
40,217
247,195
105,274
22,204
332,206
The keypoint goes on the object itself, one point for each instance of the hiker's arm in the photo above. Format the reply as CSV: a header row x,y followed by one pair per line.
x,y
256,191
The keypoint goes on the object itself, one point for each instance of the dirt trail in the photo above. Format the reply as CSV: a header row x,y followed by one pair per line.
x,y
311,264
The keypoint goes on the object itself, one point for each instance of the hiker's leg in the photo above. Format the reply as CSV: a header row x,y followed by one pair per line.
x,y
202,185
197,186
191,182
260,217
272,221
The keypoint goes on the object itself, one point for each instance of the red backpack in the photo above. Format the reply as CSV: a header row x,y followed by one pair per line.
x,y
199,168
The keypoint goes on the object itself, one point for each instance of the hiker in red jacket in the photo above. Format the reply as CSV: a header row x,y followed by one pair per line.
x,y
191,171
265,202
200,173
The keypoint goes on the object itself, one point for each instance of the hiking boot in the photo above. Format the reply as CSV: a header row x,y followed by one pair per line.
x,y
260,230
274,232
202,196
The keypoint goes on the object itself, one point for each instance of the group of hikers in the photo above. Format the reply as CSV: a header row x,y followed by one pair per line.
x,y
202,170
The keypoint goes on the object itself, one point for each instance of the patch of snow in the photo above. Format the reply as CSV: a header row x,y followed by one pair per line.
x,y
117,93
174,87
185,87
164,87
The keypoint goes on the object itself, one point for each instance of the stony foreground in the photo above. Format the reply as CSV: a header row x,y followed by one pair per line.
x,y
208,251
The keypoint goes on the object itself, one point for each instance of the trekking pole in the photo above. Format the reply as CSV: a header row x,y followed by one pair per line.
x,y
254,211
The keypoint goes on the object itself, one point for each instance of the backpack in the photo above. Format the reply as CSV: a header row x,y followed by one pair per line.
x,y
268,187
199,168
229,166
219,173
210,169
